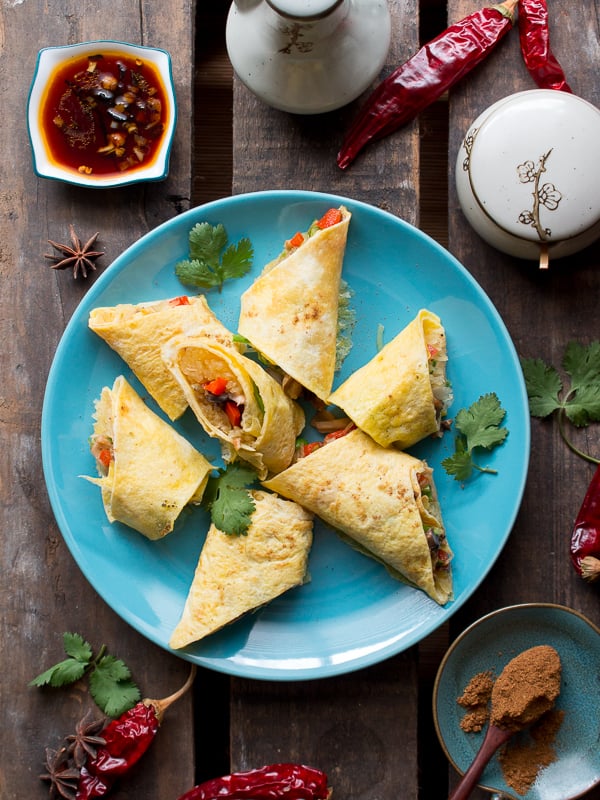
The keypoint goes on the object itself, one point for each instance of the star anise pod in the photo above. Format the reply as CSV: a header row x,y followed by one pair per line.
x,y
85,741
80,256
62,776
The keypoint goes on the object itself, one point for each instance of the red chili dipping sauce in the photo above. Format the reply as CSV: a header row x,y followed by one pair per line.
x,y
104,113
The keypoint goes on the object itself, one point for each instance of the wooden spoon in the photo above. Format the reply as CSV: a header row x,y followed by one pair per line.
x,y
494,738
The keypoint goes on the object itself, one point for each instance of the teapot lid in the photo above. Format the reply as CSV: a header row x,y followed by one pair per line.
x,y
534,164
304,9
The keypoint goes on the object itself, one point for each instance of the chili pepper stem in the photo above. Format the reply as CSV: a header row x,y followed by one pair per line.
x,y
590,568
160,706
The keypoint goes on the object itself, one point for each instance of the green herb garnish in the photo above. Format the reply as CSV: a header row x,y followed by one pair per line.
x,y
110,681
479,429
579,401
228,500
212,260
345,324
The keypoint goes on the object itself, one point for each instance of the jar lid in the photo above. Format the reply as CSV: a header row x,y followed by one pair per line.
x,y
533,164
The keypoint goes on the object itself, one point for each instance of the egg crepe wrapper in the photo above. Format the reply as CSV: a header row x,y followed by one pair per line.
x,y
138,332
154,473
238,574
372,495
393,396
270,422
290,312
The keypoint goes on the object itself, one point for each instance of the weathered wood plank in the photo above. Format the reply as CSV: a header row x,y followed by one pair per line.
x,y
360,728
43,592
543,311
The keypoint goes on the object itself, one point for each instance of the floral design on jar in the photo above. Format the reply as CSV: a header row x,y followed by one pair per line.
x,y
545,195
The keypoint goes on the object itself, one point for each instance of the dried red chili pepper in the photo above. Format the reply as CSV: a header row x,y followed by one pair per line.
x,y
434,69
585,537
534,35
126,740
290,781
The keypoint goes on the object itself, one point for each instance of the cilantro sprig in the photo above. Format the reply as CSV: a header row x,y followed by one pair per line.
x,y
479,428
577,401
110,681
228,500
212,260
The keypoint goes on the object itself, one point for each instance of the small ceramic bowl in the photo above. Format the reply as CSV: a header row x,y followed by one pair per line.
x,y
527,174
129,112
489,644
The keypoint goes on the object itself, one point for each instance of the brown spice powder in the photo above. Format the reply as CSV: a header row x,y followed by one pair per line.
x,y
522,758
526,688
475,698
531,750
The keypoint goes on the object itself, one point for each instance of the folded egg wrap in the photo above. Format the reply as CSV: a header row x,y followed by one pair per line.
x,y
373,496
138,332
393,396
290,312
154,471
270,421
237,574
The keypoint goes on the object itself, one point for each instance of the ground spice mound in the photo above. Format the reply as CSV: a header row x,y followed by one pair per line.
x,y
527,687
525,690
522,758
475,698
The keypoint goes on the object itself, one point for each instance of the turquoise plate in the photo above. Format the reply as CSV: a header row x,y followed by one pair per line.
x,y
352,613
489,644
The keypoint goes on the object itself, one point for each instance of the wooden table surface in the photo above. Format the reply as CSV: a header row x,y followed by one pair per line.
x,y
371,730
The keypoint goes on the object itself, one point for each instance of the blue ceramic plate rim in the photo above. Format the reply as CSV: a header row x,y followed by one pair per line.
x,y
351,614
489,643
157,171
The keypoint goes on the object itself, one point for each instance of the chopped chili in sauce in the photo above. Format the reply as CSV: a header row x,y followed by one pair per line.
x,y
104,113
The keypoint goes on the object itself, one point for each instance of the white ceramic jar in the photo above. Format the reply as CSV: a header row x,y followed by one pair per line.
x,y
528,174
308,56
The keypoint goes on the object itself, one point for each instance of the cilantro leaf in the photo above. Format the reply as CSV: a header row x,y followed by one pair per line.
x,y
543,384
207,241
76,647
61,674
577,400
212,260
71,669
237,259
227,497
478,427
109,678
111,686
480,423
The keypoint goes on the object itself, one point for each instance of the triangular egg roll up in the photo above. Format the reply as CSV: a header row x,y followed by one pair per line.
x,y
236,401
382,499
290,312
237,574
138,332
402,394
149,472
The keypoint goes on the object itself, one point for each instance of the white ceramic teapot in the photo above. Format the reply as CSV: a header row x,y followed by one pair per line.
x,y
308,56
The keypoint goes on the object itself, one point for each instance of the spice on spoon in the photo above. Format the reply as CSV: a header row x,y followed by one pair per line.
x,y
526,688
522,698
534,36
421,80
